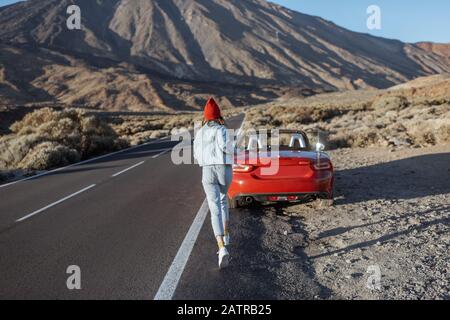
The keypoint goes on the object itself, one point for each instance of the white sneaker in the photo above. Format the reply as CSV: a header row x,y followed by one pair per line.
x,y
224,258
226,240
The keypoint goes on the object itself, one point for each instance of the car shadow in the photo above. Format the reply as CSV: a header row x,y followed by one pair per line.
x,y
341,230
396,181
283,253
444,211
249,267
411,178
404,179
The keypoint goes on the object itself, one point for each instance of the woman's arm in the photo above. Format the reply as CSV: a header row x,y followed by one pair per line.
x,y
198,147
225,143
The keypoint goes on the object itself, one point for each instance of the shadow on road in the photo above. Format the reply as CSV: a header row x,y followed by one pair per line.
x,y
247,278
288,272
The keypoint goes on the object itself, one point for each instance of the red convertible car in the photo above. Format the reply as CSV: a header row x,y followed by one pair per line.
x,y
292,171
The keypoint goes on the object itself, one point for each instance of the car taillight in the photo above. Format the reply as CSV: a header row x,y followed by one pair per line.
x,y
304,162
325,165
242,168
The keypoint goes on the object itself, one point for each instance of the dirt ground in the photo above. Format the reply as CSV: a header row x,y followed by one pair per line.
x,y
391,216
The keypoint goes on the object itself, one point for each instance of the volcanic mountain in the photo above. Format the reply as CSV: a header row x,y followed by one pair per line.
x,y
441,49
170,54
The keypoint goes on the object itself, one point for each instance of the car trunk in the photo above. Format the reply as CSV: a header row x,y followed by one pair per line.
x,y
285,165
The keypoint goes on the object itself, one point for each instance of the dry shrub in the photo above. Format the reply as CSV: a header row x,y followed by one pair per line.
x,y
340,141
390,103
142,137
47,138
443,133
48,155
381,120
139,129
430,132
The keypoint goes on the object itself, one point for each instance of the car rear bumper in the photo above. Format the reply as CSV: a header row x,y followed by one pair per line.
x,y
244,186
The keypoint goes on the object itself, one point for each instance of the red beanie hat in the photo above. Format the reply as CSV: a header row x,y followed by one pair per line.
x,y
212,110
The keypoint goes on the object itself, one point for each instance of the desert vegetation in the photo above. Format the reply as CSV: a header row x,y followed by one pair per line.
x,y
415,114
405,116
139,129
47,138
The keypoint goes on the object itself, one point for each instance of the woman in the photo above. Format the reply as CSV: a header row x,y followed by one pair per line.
x,y
213,150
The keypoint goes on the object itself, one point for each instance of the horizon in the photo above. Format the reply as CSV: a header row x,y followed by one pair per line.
x,y
398,18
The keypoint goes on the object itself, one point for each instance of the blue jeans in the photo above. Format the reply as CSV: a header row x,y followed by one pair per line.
x,y
216,182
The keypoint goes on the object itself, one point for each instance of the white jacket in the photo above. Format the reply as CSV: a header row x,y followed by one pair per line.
x,y
213,145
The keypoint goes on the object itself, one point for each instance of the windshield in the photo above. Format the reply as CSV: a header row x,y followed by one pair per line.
x,y
266,142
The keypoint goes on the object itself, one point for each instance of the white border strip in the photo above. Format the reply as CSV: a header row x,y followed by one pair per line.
x,y
170,282
55,203
161,153
128,169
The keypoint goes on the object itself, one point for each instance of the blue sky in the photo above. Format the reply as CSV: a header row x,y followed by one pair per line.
x,y
406,20
5,2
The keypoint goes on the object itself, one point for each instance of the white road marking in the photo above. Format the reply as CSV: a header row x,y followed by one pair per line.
x,y
161,153
81,163
55,203
149,151
170,282
128,169
91,160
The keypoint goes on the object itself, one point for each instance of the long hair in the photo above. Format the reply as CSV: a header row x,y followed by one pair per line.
x,y
220,121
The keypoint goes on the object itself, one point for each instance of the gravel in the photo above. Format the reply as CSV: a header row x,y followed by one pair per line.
x,y
391,216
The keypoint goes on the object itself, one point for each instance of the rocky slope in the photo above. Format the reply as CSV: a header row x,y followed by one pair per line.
x,y
35,76
161,53
441,49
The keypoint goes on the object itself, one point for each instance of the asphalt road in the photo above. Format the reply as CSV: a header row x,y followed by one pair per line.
x,y
121,219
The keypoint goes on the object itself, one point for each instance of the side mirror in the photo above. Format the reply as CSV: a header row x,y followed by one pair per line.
x,y
320,147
